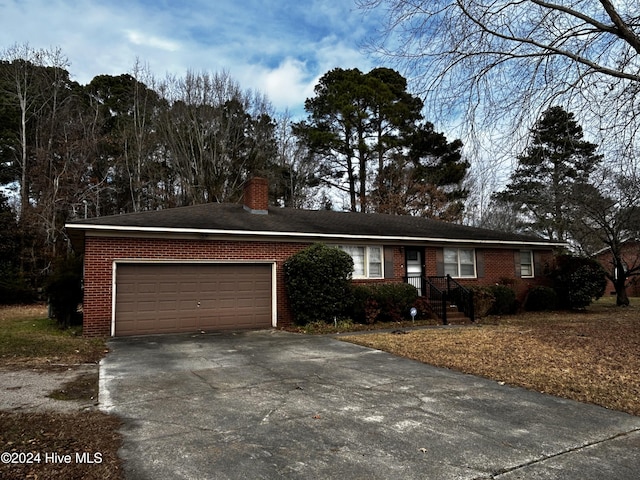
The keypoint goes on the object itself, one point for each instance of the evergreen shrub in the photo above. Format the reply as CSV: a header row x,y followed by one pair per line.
x,y
541,298
383,302
578,281
505,300
64,289
318,281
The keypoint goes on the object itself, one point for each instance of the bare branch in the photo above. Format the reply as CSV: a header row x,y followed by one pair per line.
x,y
489,67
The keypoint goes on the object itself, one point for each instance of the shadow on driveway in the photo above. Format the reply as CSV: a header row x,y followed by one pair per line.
x,y
270,404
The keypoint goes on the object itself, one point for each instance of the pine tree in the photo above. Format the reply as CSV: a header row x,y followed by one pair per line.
x,y
557,160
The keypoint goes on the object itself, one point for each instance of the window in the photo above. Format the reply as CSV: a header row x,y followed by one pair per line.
x,y
526,263
460,262
367,261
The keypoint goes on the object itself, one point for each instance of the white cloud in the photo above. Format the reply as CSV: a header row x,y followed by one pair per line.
x,y
138,38
279,48
287,85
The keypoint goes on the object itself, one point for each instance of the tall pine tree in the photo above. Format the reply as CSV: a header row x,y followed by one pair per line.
x,y
368,136
557,160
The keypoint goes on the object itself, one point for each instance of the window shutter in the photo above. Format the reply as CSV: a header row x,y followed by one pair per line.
x,y
439,262
479,263
538,266
388,262
516,259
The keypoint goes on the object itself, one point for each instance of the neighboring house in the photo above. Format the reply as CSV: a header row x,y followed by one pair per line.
x,y
631,259
220,266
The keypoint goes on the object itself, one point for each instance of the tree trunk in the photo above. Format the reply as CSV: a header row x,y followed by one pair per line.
x,y
622,299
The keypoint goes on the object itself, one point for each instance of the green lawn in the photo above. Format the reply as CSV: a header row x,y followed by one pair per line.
x,y
29,338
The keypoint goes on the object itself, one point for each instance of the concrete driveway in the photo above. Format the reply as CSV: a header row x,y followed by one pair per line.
x,y
276,405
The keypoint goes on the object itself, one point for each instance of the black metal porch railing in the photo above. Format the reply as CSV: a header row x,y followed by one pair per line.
x,y
441,291
462,297
436,293
417,281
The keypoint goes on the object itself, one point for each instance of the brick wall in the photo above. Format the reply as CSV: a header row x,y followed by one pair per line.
x,y
499,267
100,253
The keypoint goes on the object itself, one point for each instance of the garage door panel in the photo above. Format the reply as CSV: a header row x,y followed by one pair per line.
x,y
166,287
168,298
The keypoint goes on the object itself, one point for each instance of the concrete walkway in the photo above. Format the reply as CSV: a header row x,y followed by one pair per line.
x,y
269,404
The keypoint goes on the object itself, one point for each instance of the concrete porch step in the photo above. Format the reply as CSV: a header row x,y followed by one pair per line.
x,y
456,317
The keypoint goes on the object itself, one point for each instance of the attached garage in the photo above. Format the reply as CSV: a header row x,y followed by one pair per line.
x,y
221,266
189,297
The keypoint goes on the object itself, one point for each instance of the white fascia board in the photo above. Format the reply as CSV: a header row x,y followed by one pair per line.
x,y
113,229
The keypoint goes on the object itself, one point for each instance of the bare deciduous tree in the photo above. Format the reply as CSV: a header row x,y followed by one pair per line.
x,y
30,83
216,134
607,214
498,64
294,174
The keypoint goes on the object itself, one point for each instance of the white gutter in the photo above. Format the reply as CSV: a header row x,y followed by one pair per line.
x,y
301,235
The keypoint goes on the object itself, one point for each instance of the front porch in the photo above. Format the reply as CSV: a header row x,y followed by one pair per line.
x,y
447,298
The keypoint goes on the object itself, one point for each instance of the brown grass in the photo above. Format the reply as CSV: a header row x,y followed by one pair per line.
x,y
91,433
28,339
588,356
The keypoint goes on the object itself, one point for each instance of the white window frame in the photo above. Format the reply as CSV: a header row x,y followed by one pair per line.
x,y
458,263
367,260
530,264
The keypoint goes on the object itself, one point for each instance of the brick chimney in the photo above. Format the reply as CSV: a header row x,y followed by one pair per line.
x,y
256,195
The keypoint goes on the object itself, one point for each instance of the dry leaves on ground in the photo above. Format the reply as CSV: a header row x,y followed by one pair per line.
x,y
589,356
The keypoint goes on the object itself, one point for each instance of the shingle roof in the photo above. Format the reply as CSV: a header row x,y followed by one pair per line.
x,y
233,219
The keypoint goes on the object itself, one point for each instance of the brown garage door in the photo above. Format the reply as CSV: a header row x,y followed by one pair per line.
x,y
172,298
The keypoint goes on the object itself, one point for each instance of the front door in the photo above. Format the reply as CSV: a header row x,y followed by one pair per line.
x,y
414,264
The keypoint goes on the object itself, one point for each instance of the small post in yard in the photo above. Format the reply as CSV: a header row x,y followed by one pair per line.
x,y
413,313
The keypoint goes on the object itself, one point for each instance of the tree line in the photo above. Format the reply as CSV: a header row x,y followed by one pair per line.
x,y
130,143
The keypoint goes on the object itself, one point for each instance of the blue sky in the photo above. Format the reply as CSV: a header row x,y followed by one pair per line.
x,y
279,47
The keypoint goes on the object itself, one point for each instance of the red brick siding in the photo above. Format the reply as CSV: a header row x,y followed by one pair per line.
x,y
631,256
399,270
256,194
499,267
100,253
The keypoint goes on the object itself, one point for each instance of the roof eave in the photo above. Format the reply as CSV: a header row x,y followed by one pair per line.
x,y
131,230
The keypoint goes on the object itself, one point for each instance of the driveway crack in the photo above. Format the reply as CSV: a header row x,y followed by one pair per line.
x,y
204,380
504,471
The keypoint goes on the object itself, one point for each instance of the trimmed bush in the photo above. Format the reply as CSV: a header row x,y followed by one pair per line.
x,y
362,306
578,281
383,302
395,300
318,283
540,299
505,300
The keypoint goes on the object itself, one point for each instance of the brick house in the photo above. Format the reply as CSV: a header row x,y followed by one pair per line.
x,y
631,258
220,266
